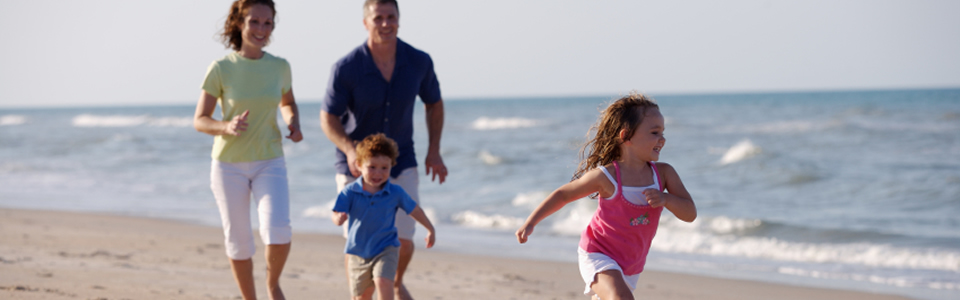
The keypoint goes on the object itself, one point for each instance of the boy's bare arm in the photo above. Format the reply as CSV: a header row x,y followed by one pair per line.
x,y
338,217
418,215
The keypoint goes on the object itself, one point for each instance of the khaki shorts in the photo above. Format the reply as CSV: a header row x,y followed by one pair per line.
x,y
362,271
410,182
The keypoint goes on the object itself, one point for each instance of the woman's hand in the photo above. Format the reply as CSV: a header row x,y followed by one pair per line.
x,y
295,134
237,125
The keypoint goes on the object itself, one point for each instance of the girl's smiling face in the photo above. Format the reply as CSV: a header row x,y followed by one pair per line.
x,y
648,139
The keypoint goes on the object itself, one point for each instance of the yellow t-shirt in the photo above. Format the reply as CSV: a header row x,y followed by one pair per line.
x,y
257,85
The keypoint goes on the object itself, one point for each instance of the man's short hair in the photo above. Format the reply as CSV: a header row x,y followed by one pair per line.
x,y
377,144
367,4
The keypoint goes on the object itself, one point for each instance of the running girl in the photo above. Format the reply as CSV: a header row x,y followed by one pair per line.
x,y
621,168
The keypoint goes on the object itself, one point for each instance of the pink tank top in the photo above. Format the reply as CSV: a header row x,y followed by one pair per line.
x,y
623,230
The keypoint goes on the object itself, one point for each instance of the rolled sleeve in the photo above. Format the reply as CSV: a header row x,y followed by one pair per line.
x,y
406,203
430,86
287,83
337,96
343,202
212,82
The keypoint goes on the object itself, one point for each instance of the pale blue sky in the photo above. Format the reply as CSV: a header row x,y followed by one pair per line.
x,y
114,52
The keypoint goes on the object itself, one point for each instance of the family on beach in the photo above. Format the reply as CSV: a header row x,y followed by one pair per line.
x,y
367,113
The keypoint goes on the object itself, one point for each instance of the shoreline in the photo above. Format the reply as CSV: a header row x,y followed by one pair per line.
x,y
70,255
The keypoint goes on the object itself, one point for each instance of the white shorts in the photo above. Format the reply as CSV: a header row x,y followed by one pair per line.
x,y
232,185
409,180
592,263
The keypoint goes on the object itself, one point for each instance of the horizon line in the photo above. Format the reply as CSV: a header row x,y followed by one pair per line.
x,y
529,97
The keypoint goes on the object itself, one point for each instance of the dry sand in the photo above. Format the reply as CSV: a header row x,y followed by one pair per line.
x,y
61,255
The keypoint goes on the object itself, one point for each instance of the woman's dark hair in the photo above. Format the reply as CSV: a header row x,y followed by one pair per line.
x,y
231,35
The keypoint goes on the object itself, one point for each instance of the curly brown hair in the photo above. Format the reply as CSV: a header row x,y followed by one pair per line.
x,y
626,114
377,144
231,35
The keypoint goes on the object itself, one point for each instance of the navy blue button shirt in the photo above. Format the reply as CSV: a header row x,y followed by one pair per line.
x,y
367,104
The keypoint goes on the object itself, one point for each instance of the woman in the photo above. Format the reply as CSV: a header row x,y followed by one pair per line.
x,y
250,84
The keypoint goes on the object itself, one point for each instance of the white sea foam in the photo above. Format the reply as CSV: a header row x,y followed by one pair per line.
x,y
479,220
108,121
86,120
9,120
742,150
320,211
171,122
699,238
726,225
899,281
573,219
529,200
484,123
489,158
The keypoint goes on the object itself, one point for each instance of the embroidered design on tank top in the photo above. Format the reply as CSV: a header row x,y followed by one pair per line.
x,y
641,220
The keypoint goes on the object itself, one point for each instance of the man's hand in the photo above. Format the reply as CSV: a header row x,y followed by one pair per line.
x,y
352,162
434,165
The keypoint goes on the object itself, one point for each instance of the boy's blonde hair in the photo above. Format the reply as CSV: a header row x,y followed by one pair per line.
x,y
377,144
625,114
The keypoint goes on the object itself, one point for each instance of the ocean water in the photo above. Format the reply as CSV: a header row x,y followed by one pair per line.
x,y
849,190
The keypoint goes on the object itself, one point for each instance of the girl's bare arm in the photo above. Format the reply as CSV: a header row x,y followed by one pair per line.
x,y
590,183
676,199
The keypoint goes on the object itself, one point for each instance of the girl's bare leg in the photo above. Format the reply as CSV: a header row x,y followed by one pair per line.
x,y
609,285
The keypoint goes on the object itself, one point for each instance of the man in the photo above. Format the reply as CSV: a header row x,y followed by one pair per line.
x,y
373,89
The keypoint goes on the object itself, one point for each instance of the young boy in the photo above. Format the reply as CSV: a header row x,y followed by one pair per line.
x,y
370,205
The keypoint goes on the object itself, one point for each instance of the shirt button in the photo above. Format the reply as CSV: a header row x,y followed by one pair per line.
x,y
386,119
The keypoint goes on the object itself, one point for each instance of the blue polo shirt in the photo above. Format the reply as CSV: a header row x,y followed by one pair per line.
x,y
367,104
371,217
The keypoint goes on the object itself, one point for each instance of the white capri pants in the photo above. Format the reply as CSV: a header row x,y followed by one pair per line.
x,y
233,184
410,182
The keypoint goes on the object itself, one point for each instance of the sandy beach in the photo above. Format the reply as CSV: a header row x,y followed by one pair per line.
x,y
61,255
